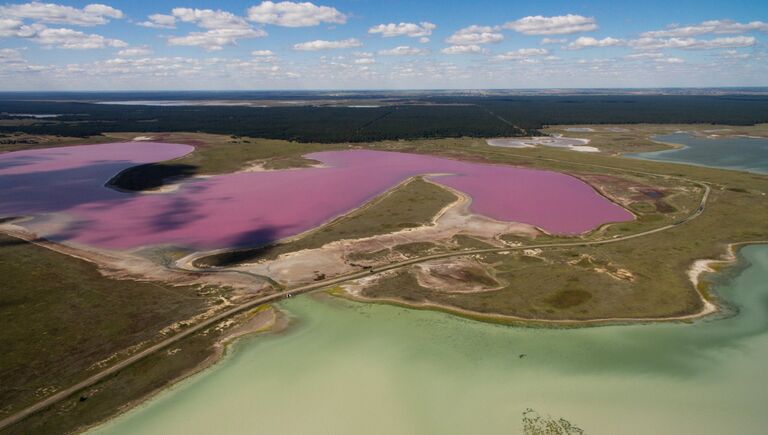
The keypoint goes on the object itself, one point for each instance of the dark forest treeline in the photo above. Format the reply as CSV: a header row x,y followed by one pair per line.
x,y
303,124
438,116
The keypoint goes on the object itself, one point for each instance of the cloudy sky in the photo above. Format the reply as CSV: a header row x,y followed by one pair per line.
x,y
381,44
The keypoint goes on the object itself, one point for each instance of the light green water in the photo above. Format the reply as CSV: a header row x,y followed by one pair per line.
x,y
741,153
348,368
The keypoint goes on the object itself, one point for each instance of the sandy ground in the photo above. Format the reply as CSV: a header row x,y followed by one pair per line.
x,y
558,141
333,259
580,129
258,166
450,275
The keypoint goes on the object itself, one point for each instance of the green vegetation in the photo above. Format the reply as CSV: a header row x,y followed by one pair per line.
x,y
538,111
410,205
106,398
415,249
20,141
412,117
61,319
302,124
467,242
537,424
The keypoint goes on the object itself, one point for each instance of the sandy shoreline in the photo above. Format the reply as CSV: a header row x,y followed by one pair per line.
x,y
263,320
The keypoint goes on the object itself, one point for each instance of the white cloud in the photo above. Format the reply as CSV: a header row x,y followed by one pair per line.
x,y
90,15
320,44
413,30
10,55
55,38
13,27
464,49
173,70
262,53
589,42
404,50
546,41
159,21
290,14
735,54
365,61
210,19
647,55
712,26
669,60
13,64
522,54
73,39
692,43
222,28
216,39
134,52
559,25
474,35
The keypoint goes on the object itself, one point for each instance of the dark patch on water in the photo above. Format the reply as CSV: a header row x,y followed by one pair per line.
x,y
151,176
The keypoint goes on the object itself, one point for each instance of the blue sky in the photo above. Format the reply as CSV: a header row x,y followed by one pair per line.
x,y
383,44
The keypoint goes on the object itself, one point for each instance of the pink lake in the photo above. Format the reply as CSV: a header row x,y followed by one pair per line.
x,y
252,208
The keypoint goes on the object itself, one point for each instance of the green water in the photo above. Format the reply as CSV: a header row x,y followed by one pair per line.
x,y
741,153
348,368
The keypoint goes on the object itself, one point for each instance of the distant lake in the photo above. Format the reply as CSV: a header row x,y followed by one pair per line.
x,y
742,153
34,115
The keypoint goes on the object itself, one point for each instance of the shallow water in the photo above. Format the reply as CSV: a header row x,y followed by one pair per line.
x,y
742,153
346,368
250,208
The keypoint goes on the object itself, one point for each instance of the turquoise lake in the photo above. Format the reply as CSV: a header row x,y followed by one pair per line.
x,y
739,152
349,368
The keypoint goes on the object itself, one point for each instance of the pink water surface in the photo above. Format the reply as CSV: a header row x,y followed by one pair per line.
x,y
246,209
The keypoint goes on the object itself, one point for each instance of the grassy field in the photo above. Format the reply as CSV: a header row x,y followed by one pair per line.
x,y
106,398
21,141
412,204
60,318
